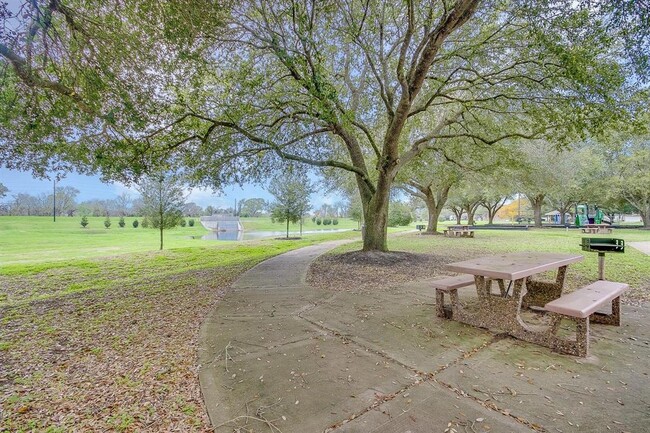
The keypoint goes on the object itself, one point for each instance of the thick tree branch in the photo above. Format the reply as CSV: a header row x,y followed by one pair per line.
x,y
369,136
31,79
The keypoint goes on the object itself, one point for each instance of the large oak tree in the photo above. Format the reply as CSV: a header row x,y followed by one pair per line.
x,y
361,86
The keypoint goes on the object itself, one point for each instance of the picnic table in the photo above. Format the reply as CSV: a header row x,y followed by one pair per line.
x,y
597,228
459,231
503,311
511,271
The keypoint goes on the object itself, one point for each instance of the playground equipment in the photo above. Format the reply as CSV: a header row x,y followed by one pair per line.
x,y
602,246
586,214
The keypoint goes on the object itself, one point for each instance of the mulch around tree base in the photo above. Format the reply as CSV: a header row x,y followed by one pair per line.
x,y
360,271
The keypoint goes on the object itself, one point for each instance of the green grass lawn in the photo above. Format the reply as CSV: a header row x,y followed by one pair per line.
x,y
25,240
38,239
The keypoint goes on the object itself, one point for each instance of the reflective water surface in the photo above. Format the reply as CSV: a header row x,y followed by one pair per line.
x,y
244,235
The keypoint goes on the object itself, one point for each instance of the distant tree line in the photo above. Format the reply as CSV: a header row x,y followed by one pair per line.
x,y
124,205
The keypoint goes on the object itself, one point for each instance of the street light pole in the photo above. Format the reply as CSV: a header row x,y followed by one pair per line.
x,y
54,201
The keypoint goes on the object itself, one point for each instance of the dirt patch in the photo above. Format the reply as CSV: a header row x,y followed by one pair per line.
x,y
638,296
361,271
375,258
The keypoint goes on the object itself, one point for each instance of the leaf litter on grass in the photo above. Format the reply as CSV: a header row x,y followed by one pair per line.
x,y
121,358
110,344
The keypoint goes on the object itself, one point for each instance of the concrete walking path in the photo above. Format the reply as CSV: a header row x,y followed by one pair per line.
x,y
279,356
644,247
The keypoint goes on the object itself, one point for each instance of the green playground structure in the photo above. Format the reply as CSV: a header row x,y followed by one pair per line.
x,y
590,214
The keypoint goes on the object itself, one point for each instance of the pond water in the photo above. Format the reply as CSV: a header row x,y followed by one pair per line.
x,y
244,235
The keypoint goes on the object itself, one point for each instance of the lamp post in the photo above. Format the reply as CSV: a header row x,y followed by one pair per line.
x,y
54,201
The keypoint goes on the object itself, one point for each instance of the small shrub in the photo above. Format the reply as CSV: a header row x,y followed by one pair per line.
x,y
145,223
318,221
335,221
135,224
84,221
182,222
191,222
313,219
121,222
327,221
107,222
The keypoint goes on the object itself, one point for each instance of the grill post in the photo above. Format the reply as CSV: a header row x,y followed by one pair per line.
x,y
601,246
601,265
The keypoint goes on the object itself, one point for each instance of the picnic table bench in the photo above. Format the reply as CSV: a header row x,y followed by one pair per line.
x,y
580,306
458,231
449,285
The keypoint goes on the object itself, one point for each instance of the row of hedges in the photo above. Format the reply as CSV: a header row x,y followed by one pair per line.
x,y
325,221
145,222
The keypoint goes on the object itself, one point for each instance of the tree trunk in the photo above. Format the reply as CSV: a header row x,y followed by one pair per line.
x,y
645,218
536,202
435,204
161,212
287,227
375,215
434,213
563,211
459,215
493,208
376,226
537,215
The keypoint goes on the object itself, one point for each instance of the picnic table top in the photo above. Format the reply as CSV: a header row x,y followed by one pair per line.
x,y
513,266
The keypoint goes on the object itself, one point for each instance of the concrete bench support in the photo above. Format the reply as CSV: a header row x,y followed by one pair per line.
x,y
580,306
450,285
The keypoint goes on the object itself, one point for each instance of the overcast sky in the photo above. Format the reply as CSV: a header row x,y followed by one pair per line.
x,y
90,187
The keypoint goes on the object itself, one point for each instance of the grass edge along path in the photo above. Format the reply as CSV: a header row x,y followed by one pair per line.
x,y
119,352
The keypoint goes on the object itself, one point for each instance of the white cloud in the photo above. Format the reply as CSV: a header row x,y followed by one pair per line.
x,y
120,188
205,198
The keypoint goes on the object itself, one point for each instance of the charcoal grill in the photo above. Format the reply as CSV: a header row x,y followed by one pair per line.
x,y
602,246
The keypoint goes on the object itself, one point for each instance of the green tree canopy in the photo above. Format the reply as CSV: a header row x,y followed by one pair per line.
x,y
85,84
291,192
370,88
630,179
163,200
253,207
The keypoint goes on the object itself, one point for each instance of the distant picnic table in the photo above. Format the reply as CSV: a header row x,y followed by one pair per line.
x,y
597,229
459,231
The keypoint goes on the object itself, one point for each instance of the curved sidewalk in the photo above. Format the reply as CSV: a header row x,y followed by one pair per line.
x,y
279,356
